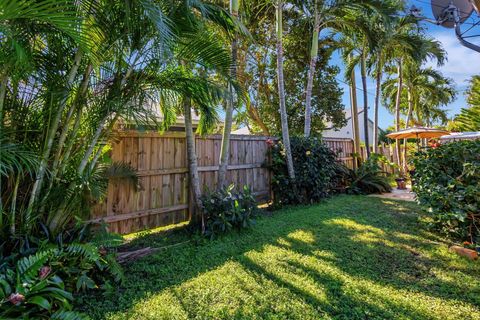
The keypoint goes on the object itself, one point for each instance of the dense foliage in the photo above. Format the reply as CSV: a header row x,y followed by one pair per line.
x,y
227,210
447,183
315,169
258,69
39,283
368,178
469,118
73,72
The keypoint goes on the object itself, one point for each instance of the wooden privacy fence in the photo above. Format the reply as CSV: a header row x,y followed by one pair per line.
x,y
343,147
161,164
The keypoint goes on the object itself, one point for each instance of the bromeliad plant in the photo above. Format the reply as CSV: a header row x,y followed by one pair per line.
x,y
368,178
227,209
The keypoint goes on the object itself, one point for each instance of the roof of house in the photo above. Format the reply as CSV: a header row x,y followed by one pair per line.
x,y
242,131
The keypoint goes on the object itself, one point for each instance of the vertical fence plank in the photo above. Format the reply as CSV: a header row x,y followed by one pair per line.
x,y
161,163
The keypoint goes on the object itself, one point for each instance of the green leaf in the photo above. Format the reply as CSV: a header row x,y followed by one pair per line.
x,y
40,301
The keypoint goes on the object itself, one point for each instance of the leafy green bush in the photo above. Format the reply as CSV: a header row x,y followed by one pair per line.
x,y
227,209
38,280
447,183
368,178
315,172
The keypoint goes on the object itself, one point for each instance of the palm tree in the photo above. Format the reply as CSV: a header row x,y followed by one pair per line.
x,y
413,82
334,15
392,36
311,70
469,118
75,80
354,112
281,90
414,50
224,151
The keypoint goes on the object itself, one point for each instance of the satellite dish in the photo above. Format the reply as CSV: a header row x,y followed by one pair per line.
x,y
452,14
443,11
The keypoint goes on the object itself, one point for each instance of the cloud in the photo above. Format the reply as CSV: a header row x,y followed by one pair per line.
x,y
462,62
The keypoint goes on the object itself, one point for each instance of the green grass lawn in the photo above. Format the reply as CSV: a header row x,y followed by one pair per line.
x,y
351,257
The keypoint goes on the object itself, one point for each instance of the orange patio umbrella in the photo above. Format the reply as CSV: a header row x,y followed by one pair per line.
x,y
418,133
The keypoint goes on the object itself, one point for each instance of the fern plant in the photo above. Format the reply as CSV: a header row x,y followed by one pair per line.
x,y
32,290
41,285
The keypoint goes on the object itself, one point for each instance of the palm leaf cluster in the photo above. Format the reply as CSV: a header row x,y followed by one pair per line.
x,y
73,71
469,118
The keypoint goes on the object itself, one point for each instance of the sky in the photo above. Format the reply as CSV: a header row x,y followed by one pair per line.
x,y
461,65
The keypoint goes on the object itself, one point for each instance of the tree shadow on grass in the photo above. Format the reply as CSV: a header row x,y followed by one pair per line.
x,y
334,241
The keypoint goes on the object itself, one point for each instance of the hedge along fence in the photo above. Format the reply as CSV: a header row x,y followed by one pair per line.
x,y
161,163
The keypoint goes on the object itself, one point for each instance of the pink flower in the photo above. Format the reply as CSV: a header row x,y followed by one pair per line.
x,y
44,272
269,142
16,298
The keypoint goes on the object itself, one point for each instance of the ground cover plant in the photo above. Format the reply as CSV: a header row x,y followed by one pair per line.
x,y
351,257
447,184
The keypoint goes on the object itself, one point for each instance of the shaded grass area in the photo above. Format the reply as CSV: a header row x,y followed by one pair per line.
x,y
352,257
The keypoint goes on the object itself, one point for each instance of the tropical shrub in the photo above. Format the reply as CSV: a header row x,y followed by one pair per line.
x,y
315,172
41,285
447,184
227,210
368,178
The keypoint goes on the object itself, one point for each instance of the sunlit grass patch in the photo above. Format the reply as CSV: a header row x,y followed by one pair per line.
x,y
329,261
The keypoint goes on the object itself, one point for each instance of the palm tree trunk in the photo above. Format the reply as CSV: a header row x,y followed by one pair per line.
x,y
377,104
68,119
192,163
311,73
227,129
407,121
354,111
3,91
397,109
281,91
93,143
365,102
35,192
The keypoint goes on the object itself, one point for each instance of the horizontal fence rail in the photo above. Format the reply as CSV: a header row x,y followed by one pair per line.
x,y
161,164
160,160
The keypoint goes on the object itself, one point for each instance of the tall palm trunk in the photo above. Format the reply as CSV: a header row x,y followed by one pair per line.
x,y
407,121
3,91
354,111
397,109
35,192
365,102
311,72
192,163
227,129
377,104
281,91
